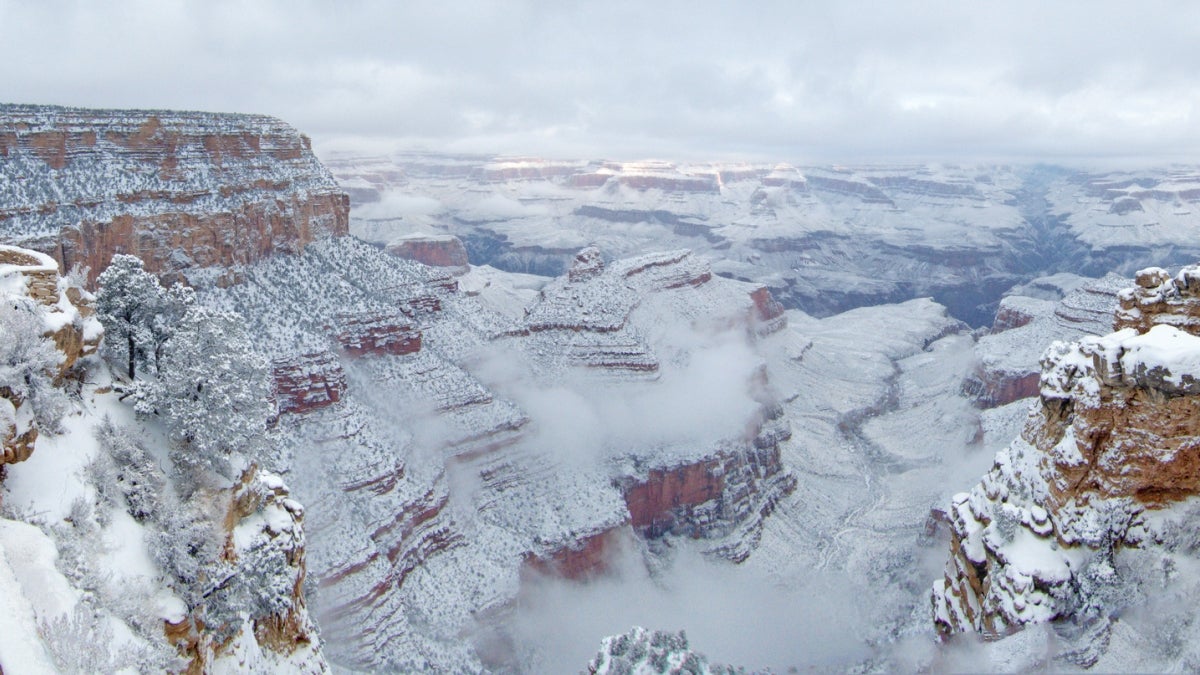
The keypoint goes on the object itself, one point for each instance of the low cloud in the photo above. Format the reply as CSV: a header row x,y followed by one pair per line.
x,y
730,613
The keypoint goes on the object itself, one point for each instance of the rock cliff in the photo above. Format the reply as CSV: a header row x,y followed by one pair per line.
x,y
1065,524
195,195
433,250
263,551
1007,367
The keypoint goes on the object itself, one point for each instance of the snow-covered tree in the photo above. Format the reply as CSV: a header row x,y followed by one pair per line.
x,y
126,300
213,391
29,362
138,314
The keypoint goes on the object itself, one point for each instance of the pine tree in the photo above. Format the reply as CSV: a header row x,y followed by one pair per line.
x,y
213,390
125,305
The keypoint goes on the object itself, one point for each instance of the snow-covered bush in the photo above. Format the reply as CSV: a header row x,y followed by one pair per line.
x,y
125,468
641,652
186,545
258,586
29,362
82,642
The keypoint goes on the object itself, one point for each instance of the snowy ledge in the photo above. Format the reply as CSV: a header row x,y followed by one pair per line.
x,y
14,259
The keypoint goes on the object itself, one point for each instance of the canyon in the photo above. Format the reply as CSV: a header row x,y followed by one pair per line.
x,y
501,381
824,239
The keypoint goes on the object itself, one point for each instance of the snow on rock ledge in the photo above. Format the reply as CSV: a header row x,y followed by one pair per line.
x,y
1116,438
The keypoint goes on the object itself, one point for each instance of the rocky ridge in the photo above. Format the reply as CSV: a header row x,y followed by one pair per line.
x,y
61,312
1087,503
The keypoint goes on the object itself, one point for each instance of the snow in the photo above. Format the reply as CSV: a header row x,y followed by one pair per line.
x,y
169,607
32,556
1163,348
124,550
41,261
1033,555
21,649
48,482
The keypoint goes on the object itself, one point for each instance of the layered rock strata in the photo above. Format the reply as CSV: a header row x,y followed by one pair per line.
x,y
1105,460
1007,369
195,195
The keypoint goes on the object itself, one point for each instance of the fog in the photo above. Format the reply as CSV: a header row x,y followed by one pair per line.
x,y
393,204
701,396
729,613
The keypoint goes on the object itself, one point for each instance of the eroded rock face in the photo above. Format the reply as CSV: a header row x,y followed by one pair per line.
x,y
582,559
306,382
195,195
264,540
1116,437
370,333
433,250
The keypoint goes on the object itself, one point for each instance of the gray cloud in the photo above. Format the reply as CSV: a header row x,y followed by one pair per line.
x,y
846,80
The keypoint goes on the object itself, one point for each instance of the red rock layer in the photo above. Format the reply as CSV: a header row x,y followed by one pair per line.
x,y
307,383
708,496
667,495
990,388
432,251
580,560
1009,317
280,223
376,334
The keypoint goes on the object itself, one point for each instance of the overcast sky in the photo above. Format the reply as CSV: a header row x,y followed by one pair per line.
x,y
829,80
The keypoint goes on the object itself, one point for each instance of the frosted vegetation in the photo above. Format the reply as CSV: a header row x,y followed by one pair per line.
x,y
128,488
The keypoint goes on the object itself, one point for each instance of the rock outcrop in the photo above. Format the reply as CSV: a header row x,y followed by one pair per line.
x,y
709,498
197,196
264,548
443,250
44,311
1103,462
306,382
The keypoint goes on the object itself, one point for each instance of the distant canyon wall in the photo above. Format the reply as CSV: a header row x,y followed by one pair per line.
x,y
196,195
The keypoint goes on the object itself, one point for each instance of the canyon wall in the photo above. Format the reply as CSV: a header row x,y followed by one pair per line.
x,y
197,196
